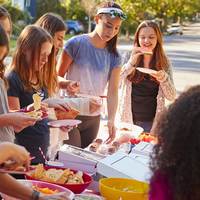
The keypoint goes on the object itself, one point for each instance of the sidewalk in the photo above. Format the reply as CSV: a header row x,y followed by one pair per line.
x,y
184,79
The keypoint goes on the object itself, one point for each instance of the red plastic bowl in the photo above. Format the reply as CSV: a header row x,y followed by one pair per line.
x,y
76,188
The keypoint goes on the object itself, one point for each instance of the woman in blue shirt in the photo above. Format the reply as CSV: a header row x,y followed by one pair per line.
x,y
93,60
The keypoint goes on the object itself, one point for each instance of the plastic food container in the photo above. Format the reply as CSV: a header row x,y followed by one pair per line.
x,y
54,164
87,197
122,188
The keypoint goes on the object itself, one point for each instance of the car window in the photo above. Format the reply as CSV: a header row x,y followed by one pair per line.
x,y
175,25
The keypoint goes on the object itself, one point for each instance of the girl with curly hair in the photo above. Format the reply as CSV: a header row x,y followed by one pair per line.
x,y
176,158
143,95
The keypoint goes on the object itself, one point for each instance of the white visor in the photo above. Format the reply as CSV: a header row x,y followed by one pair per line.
x,y
108,10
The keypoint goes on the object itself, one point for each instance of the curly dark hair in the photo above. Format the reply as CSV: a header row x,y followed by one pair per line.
x,y
177,153
51,22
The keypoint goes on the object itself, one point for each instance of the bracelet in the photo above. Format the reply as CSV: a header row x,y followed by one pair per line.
x,y
35,195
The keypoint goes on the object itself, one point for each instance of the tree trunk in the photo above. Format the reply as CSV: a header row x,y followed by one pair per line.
x,y
89,24
127,34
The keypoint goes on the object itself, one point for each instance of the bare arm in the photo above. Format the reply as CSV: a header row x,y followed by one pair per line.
x,y
13,103
63,64
112,100
10,186
17,120
5,120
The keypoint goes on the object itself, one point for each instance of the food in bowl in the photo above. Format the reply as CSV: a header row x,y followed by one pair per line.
x,y
76,181
144,137
87,197
43,187
44,190
60,176
126,189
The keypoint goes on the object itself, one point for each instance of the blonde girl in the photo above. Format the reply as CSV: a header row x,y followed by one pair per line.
x,y
28,75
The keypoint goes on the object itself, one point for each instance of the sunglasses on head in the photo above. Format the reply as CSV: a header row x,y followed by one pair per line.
x,y
113,12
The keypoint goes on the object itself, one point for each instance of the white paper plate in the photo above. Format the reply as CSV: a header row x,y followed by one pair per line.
x,y
134,130
146,70
64,123
88,96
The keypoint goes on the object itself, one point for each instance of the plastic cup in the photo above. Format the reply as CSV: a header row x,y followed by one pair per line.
x,y
54,164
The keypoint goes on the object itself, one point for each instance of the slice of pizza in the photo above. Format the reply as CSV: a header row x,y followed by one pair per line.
x,y
37,101
37,114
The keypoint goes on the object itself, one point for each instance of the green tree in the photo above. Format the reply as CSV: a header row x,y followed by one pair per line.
x,y
74,10
55,6
19,17
90,8
135,11
2,2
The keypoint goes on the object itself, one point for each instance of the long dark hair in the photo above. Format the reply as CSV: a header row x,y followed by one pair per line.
x,y
159,59
52,23
177,153
5,14
30,40
3,43
111,44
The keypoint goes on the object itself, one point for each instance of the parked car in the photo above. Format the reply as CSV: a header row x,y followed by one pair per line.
x,y
175,29
74,27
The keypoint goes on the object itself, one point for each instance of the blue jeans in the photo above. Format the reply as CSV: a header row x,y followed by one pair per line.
x,y
145,125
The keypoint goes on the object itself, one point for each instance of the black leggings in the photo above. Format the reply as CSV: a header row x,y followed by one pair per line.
x,y
85,133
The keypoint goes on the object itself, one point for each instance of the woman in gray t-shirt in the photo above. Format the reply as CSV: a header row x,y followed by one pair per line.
x,y
93,60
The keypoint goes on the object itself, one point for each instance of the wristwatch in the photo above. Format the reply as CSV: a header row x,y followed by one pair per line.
x,y
35,195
